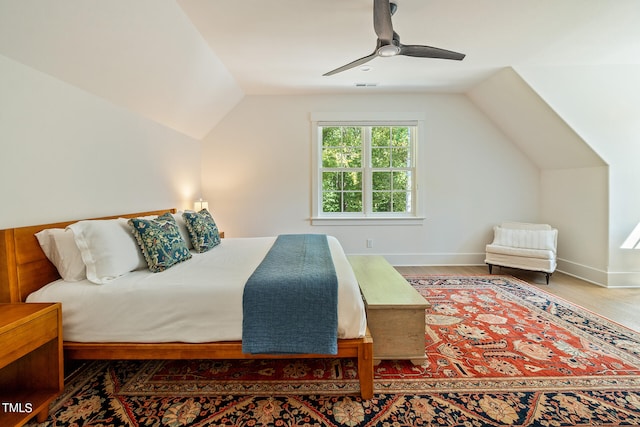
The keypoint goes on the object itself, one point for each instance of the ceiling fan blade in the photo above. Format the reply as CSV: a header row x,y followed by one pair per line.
x,y
429,52
355,63
382,20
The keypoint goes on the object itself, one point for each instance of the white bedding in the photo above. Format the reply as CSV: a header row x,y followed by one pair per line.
x,y
199,300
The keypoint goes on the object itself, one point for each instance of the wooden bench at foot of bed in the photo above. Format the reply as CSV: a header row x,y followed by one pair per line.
x,y
395,310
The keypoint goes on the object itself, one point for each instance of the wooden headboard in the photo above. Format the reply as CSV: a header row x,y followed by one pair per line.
x,y
23,266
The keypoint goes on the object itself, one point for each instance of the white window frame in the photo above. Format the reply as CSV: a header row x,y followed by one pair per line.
x,y
319,120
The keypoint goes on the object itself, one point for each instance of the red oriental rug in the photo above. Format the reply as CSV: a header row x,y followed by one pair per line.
x,y
500,352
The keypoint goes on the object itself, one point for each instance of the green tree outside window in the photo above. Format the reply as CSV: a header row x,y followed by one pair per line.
x,y
367,161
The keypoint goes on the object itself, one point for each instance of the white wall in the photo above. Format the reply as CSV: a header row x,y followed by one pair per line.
x,y
67,154
256,175
575,201
602,104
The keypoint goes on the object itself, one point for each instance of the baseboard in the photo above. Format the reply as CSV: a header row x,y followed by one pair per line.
x,y
607,279
584,272
442,259
623,279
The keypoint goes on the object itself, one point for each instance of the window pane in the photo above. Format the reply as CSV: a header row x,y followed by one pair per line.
x,y
400,137
401,202
352,201
380,157
330,181
330,157
400,158
352,181
352,157
331,201
352,136
380,136
381,201
331,136
381,181
401,180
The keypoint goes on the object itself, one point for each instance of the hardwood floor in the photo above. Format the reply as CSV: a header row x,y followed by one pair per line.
x,y
621,305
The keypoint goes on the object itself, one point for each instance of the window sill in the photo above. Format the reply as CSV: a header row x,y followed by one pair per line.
x,y
413,220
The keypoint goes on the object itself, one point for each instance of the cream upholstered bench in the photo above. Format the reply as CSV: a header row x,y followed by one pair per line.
x,y
524,246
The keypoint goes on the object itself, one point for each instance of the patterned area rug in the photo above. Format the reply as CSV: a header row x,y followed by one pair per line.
x,y
499,352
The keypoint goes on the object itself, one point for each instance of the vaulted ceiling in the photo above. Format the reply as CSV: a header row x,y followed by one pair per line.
x,y
186,63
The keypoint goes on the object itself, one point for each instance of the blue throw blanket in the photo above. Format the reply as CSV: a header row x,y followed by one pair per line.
x,y
290,302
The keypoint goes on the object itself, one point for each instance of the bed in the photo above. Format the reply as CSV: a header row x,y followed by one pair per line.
x,y
26,274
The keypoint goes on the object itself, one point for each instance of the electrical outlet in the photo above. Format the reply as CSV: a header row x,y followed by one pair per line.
x,y
369,243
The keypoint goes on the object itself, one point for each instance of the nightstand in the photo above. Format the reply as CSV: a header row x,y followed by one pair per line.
x,y
31,365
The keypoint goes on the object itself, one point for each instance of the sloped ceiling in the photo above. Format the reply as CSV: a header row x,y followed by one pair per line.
x,y
144,55
531,124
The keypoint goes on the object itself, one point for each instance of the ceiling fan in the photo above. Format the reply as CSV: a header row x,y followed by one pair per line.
x,y
388,43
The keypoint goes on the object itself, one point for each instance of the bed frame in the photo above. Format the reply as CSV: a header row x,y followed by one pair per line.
x,y
24,268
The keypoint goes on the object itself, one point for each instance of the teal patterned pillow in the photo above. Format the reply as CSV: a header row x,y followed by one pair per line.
x,y
203,230
160,241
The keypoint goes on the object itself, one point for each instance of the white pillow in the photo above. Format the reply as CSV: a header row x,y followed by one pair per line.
x,y
60,247
108,249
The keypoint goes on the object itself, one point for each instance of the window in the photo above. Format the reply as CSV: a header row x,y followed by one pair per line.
x,y
365,170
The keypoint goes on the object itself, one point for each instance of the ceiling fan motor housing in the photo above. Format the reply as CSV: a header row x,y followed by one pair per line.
x,y
388,50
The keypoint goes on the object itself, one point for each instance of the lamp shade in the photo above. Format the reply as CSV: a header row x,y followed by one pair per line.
x,y
200,204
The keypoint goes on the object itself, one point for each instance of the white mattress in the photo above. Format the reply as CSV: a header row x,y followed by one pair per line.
x,y
199,300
